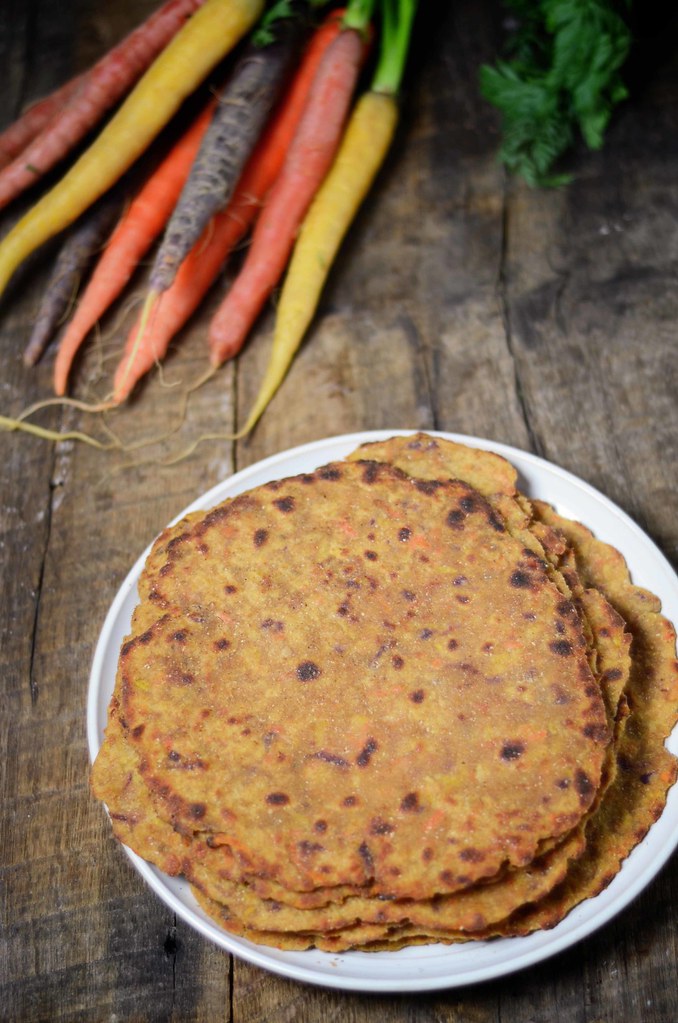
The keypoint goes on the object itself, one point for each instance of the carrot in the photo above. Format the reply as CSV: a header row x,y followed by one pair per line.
x,y
146,346
364,147
268,159
134,234
110,79
241,114
196,48
307,162
15,138
76,256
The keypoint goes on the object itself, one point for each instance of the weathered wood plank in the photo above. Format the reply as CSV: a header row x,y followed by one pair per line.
x,y
94,522
591,318
592,313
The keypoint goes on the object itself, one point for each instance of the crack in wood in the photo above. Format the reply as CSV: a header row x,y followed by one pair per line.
x,y
504,300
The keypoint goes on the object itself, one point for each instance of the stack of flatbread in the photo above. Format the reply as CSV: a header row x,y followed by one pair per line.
x,y
389,702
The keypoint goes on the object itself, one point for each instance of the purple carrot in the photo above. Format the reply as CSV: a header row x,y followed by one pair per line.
x,y
75,257
242,111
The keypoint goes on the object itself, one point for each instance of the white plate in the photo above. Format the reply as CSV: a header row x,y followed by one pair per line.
x,y
434,966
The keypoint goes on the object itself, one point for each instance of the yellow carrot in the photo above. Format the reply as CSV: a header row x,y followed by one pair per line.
x,y
363,148
204,40
361,153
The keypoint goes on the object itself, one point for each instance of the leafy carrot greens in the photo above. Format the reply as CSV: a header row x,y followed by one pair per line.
x,y
562,77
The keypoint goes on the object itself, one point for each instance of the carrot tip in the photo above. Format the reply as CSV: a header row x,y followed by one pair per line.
x,y
126,377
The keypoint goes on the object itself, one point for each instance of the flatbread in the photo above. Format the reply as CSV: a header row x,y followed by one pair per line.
x,y
347,780
389,702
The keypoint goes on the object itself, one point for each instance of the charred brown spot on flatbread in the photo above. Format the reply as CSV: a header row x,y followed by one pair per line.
x,y
307,671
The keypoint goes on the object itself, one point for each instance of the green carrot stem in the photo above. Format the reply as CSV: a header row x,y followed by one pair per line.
x,y
397,20
265,32
358,14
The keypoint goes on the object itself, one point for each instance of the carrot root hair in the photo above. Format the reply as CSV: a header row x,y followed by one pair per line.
x,y
13,425
114,442
81,406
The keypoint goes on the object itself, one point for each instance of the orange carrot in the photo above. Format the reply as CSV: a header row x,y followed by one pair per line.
x,y
202,265
109,80
37,116
308,160
133,236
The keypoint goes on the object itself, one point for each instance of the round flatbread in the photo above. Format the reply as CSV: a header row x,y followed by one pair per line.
x,y
385,704
349,660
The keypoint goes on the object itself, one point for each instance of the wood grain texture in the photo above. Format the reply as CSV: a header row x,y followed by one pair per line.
x,y
461,301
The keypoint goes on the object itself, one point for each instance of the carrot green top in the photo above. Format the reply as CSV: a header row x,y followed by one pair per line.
x,y
358,14
396,29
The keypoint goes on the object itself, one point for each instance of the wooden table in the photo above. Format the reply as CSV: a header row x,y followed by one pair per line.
x,y
463,302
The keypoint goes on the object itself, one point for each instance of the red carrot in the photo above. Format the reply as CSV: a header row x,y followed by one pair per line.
x,y
307,162
200,268
133,236
364,145
269,157
109,80
37,116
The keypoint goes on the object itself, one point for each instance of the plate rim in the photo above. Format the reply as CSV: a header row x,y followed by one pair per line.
x,y
298,965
